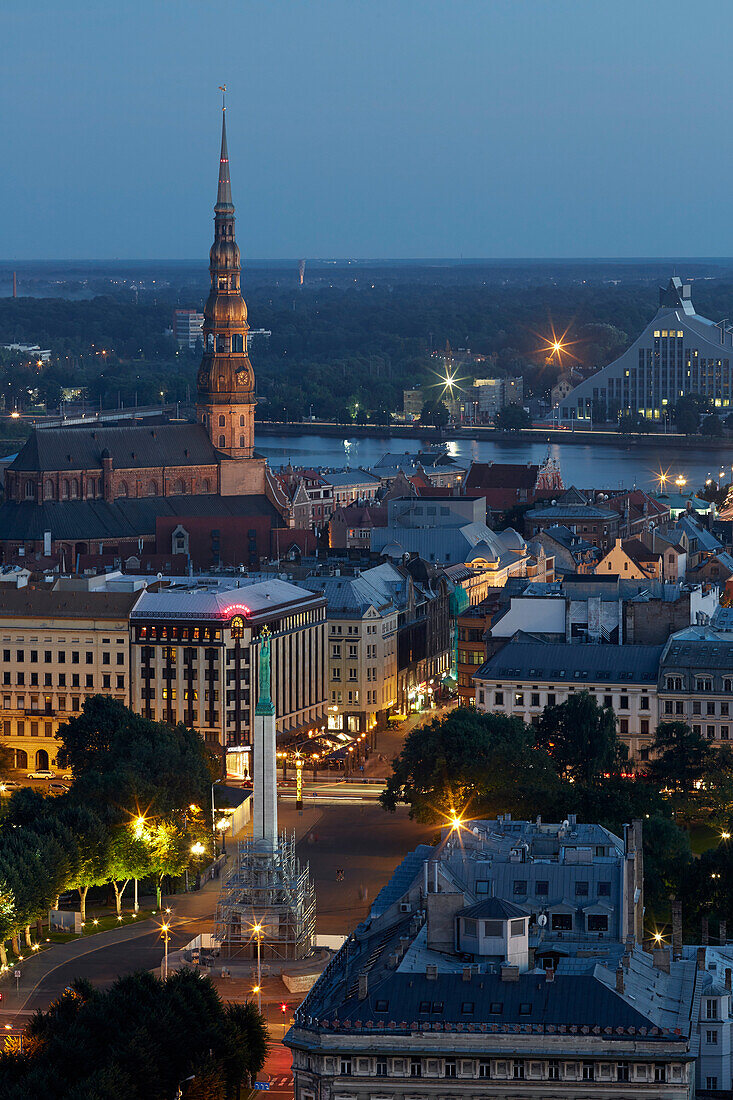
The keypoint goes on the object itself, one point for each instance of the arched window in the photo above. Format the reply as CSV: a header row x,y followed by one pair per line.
x,y
237,341
30,490
65,489
178,487
241,441
74,488
222,421
241,421
204,419
221,341
222,441
122,489
21,758
48,490
42,760
210,341
152,489
205,486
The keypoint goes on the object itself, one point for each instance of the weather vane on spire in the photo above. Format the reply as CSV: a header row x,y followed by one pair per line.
x,y
223,90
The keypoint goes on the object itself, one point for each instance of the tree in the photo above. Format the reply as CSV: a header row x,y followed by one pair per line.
x,y
467,762
667,859
711,426
512,418
580,736
129,857
434,414
630,422
7,759
140,1039
687,412
681,760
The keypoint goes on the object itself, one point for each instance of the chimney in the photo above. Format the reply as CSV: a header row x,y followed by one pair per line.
x,y
619,980
660,958
550,975
625,960
728,973
704,932
467,972
363,986
701,956
431,972
676,930
509,973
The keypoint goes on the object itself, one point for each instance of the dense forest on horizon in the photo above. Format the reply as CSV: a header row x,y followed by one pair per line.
x,y
347,342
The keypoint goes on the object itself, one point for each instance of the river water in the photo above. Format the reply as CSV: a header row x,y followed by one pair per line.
x,y
598,465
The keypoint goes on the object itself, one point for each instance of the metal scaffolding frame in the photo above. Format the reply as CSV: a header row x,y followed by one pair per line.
x,y
270,889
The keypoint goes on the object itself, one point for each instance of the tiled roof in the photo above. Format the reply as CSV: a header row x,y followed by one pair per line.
x,y
502,475
131,447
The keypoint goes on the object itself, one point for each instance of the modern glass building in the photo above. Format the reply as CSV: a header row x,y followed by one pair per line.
x,y
679,352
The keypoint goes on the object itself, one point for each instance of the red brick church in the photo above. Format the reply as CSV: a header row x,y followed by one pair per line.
x,y
166,488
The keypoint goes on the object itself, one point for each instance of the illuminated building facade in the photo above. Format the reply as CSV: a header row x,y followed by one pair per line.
x,y
678,353
194,650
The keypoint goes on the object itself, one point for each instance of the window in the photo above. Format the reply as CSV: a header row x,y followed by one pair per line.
x,y
346,1067
525,1008
644,702
518,699
520,886
644,726
415,1067
484,1068
542,887
551,700
604,889
704,683
711,1038
608,700
499,698
711,1009
381,1067
710,732
518,1071
381,1006
697,707
623,702
623,725
581,889
660,1073
467,1008
597,922
517,927
553,1070
496,1008
711,1083
562,922
589,1071
535,699
709,707
450,1067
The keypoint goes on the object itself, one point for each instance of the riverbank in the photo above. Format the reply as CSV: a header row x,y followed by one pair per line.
x,y
484,433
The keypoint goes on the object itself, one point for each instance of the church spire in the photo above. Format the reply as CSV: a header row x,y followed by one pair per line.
x,y
224,202
226,398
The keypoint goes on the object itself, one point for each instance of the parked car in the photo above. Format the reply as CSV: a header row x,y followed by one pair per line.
x,y
58,788
68,777
41,775
7,786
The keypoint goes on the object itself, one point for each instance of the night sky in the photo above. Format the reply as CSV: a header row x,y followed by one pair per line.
x,y
382,128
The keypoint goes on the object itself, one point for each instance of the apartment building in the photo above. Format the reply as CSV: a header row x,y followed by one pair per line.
x,y
459,984
56,648
363,612
524,677
194,658
696,681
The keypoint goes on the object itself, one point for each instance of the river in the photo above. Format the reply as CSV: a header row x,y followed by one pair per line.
x,y
596,465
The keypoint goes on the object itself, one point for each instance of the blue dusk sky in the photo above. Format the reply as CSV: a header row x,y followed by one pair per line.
x,y
368,128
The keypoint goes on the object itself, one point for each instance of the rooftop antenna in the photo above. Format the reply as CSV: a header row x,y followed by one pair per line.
x,y
223,90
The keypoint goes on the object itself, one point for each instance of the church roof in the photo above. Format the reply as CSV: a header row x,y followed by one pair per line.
x,y
130,447
125,518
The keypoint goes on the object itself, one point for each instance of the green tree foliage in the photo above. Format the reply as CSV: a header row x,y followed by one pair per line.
x,y
122,761
667,861
633,422
7,757
434,414
580,736
711,426
469,762
687,412
512,418
681,759
140,1039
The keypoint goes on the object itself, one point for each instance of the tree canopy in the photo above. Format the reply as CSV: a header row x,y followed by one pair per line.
x,y
140,1039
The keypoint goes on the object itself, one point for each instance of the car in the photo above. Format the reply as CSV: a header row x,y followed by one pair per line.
x,y
8,785
58,788
41,775
67,777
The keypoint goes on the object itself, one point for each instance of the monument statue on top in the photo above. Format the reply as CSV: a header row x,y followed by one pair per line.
x,y
264,702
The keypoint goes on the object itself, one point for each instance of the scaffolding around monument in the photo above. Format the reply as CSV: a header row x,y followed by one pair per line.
x,y
270,889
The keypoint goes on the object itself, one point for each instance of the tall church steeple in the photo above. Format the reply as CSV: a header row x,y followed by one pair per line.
x,y
226,400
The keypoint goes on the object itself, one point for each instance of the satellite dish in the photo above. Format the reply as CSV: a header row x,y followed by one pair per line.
x,y
160,576
542,920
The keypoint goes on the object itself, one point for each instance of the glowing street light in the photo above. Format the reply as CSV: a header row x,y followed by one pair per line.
x,y
165,932
197,849
257,929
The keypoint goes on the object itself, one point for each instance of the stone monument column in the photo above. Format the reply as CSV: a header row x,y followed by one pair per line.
x,y
264,780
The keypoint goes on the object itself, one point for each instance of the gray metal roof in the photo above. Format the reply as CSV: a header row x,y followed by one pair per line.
x,y
573,663
125,518
345,478
131,447
193,600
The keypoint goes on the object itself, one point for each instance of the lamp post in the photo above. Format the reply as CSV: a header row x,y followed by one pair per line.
x,y
165,929
139,830
257,929
213,824
222,825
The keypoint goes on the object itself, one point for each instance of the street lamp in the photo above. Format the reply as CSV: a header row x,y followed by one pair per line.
x,y
165,930
222,825
139,830
197,849
257,929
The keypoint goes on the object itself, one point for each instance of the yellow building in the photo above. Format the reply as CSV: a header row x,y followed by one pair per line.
x,y
55,649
